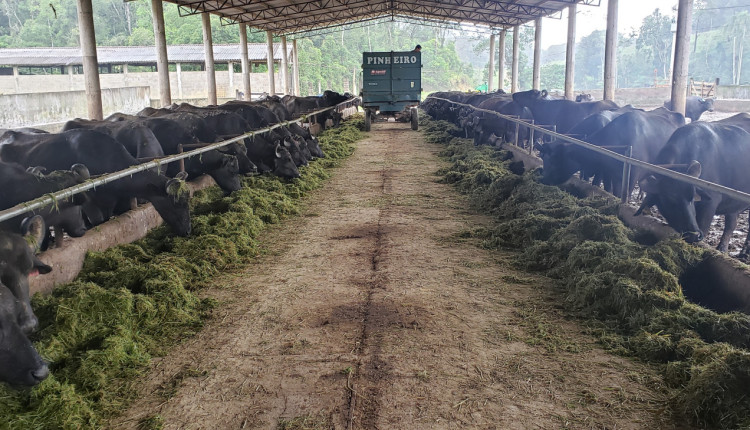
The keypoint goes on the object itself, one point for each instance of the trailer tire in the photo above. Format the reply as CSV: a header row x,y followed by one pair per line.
x,y
414,119
368,119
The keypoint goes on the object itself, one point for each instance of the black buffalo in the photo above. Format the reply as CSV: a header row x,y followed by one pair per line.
x,y
694,106
565,114
136,138
645,132
718,153
102,154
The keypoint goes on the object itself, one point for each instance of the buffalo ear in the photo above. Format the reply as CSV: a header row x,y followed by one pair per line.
x,y
648,185
694,169
277,152
40,266
181,176
81,172
34,230
541,148
544,93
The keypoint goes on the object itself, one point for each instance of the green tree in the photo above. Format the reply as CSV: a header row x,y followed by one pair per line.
x,y
654,41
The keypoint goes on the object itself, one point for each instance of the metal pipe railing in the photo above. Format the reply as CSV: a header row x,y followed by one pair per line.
x,y
735,194
52,198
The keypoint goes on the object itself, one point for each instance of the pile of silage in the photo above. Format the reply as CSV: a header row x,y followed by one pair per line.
x,y
132,302
630,289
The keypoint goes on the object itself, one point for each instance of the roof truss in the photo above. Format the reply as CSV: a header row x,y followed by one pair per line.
x,y
297,16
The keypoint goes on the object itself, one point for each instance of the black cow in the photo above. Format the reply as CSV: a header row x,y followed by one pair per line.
x,y
223,168
102,154
271,157
715,152
645,132
20,364
136,138
18,262
563,113
694,106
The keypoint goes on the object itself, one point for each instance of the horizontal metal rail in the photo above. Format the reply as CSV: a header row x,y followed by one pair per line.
x,y
735,194
52,198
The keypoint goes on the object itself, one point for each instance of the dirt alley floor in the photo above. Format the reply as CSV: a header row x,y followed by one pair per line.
x,y
374,311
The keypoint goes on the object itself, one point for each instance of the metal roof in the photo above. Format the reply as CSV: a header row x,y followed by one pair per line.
x,y
137,55
295,16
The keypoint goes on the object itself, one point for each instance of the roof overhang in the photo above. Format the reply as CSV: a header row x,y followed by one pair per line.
x,y
282,17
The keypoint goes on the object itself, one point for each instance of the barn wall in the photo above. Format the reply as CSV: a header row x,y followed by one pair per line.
x,y
21,110
191,85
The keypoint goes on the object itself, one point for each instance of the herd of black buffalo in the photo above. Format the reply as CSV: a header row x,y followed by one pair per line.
x,y
717,151
35,163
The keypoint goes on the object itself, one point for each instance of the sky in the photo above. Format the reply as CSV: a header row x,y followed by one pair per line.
x,y
591,18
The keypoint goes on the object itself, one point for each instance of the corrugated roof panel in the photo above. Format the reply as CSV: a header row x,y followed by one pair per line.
x,y
30,57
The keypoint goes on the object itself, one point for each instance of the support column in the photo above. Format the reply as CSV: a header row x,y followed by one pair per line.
x,y
610,51
178,66
570,53
681,55
501,60
16,79
269,61
491,72
246,86
295,67
354,82
284,66
90,63
230,70
537,75
208,47
514,64
162,62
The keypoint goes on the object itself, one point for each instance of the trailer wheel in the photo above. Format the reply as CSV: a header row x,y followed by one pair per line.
x,y
414,119
368,120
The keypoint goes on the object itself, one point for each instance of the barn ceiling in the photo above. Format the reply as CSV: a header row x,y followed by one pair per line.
x,y
295,16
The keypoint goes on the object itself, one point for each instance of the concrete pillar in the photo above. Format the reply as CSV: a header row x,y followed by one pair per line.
x,y
178,66
610,51
16,79
354,83
71,83
537,75
570,53
90,63
245,63
162,62
501,60
230,70
681,55
297,91
269,62
284,66
208,47
491,72
514,64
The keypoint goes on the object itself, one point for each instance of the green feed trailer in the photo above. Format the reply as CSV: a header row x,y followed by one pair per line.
x,y
391,85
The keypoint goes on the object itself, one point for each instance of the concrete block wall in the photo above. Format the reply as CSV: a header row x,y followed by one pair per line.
x,y
188,85
24,110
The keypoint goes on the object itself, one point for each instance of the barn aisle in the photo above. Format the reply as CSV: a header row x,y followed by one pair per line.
x,y
375,310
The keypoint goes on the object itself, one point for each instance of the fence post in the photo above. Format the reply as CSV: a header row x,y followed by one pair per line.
x,y
531,137
518,126
182,161
626,177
